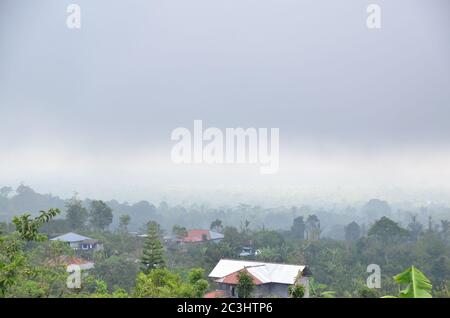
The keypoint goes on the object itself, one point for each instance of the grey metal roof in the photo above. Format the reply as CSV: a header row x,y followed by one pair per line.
x,y
215,235
71,238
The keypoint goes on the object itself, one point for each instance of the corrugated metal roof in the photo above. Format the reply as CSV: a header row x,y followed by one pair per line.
x,y
215,235
265,272
71,238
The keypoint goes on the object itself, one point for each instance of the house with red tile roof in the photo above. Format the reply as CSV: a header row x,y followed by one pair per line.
x,y
198,236
216,294
64,260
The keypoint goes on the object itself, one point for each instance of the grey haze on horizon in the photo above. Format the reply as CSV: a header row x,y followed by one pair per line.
x,y
362,113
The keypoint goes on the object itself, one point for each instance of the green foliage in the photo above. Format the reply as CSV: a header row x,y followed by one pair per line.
x,y
245,284
13,260
179,231
317,290
39,282
100,215
234,238
273,254
267,238
76,214
352,232
28,228
296,291
101,288
56,226
198,282
101,291
153,250
387,230
366,292
3,228
298,228
117,272
116,243
415,228
417,284
336,265
196,274
161,283
124,221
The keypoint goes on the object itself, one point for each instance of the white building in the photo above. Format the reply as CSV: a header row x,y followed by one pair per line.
x,y
270,279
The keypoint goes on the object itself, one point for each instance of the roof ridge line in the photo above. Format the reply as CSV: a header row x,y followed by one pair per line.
x,y
250,261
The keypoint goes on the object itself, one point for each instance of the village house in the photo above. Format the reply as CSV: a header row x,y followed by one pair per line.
x,y
270,279
79,242
248,251
198,236
68,260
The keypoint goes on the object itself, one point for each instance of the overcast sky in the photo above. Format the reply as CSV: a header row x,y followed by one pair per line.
x,y
92,110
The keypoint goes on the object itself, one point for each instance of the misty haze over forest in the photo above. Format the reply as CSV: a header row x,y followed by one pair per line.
x,y
333,218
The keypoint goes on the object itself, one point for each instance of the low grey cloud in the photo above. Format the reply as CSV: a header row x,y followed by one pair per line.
x,y
138,69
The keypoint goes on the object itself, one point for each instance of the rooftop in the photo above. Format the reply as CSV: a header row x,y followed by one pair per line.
x,y
216,294
71,238
233,278
68,260
201,235
262,272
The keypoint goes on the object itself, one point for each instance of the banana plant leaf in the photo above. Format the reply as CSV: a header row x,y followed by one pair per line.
x,y
417,284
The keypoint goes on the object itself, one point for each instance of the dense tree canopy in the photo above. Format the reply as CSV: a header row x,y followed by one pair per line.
x,y
352,231
100,215
133,265
387,230
76,214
